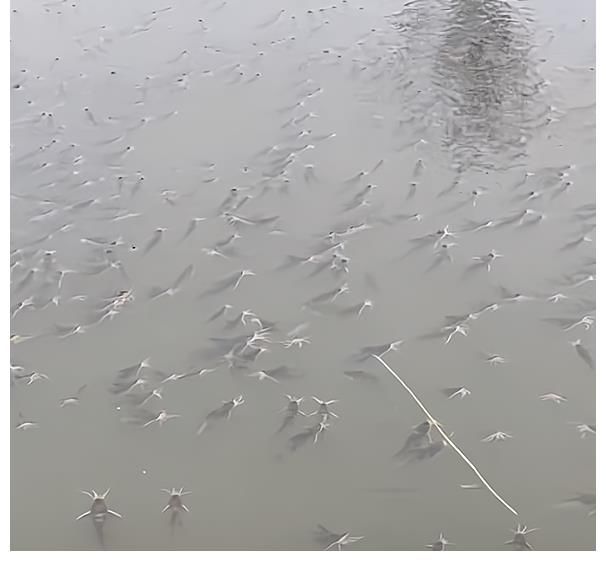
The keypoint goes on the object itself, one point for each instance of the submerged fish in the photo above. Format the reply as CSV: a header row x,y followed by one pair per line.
x,y
417,439
176,506
98,512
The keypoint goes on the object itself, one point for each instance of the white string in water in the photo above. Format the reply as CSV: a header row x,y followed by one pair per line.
x,y
435,423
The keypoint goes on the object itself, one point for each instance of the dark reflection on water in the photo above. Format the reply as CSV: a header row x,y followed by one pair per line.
x,y
485,70
485,86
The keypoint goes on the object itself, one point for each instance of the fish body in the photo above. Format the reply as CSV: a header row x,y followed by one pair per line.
x,y
419,438
426,452
99,515
292,410
176,507
98,512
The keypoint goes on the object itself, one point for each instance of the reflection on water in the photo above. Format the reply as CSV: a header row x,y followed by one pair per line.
x,y
485,65
223,212
485,89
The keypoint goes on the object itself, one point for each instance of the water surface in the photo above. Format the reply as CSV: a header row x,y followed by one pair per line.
x,y
487,107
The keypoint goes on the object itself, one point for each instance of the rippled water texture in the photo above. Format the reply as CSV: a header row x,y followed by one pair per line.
x,y
219,208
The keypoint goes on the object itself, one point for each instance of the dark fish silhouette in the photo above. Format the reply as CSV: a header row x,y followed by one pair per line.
x,y
185,275
425,452
232,281
519,540
98,512
176,506
587,500
417,439
332,539
361,376
292,409
367,352
221,311
440,544
155,239
584,354
193,224
223,412
309,434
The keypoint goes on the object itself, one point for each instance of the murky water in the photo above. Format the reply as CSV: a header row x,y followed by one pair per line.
x,y
473,125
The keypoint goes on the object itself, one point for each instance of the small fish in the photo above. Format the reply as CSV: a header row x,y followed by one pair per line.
x,y
575,243
134,370
292,410
275,374
412,190
356,309
519,540
379,350
296,342
584,354
309,434
141,400
195,373
99,512
73,400
493,359
343,539
176,506
28,302
552,397
293,261
223,412
193,224
185,275
585,429
586,500
418,438
90,116
567,324
425,452
64,331
329,296
124,388
271,20
155,239
355,178
24,424
220,312
323,412
496,436
453,392
309,174
482,263
377,166
16,338
359,375
162,417
442,255
440,544
418,168
232,281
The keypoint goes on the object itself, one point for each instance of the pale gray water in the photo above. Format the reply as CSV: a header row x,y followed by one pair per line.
x,y
491,90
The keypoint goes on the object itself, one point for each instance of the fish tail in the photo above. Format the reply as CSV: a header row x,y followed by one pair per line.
x,y
174,520
100,537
